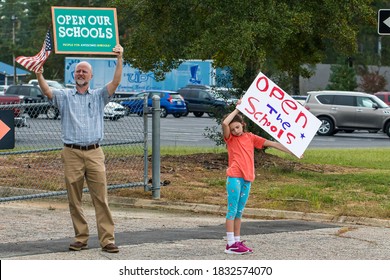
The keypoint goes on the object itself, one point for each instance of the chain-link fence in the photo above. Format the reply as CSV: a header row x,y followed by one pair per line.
x,y
33,168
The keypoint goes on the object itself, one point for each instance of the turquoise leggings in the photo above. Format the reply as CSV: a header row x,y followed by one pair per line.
x,y
237,190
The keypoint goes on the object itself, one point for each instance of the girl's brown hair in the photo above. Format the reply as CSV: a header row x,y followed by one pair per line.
x,y
237,118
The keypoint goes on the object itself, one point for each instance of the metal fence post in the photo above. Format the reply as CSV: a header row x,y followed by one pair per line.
x,y
145,118
156,147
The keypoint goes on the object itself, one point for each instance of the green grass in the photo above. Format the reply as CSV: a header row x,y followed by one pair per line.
x,y
378,158
354,182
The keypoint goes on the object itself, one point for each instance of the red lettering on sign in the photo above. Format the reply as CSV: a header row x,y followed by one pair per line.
x,y
289,104
301,115
277,93
253,107
264,120
264,82
289,136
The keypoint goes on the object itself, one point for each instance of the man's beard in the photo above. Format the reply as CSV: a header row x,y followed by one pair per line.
x,y
81,82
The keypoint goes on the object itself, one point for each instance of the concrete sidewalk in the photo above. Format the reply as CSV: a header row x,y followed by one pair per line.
x,y
151,230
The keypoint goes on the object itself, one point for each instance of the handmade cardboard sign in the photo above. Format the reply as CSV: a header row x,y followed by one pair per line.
x,y
285,119
84,30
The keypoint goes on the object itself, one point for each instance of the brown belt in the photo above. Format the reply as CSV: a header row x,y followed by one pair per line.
x,y
84,148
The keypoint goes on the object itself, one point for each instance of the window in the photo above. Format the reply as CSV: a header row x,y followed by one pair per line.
x,y
325,99
12,91
25,91
35,92
344,100
204,95
192,94
381,97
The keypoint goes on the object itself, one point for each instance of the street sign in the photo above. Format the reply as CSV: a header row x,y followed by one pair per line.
x,y
7,129
384,22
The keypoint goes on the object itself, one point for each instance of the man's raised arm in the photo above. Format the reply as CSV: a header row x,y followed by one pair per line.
x,y
44,86
112,86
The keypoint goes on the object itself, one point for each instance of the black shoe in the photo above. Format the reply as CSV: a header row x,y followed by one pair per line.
x,y
77,246
111,248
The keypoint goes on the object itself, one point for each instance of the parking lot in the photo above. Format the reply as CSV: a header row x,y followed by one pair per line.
x,y
190,130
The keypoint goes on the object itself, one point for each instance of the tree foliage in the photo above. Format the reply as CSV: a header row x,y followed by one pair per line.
x,y
276,37
247,35
342,77
371,80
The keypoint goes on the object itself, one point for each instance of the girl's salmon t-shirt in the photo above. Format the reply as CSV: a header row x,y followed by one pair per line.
x,y
241,155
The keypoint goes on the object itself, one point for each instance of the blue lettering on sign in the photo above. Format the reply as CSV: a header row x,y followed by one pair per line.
x,y
138,77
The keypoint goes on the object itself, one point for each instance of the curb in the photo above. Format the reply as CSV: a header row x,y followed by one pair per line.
x,y
249,212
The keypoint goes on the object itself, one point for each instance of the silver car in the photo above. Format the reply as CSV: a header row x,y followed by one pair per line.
x,y
348,111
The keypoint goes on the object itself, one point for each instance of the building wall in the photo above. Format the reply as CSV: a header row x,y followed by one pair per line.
x,y
320,79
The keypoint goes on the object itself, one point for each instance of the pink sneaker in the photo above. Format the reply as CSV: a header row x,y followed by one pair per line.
x,y
250,250
236,249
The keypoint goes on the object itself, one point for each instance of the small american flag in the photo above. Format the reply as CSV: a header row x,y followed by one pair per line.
x,y
35,63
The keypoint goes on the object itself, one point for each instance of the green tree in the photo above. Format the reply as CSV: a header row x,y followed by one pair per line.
x,y
342,77
246,35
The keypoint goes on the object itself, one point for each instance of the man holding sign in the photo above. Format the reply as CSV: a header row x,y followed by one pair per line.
x,y
81,111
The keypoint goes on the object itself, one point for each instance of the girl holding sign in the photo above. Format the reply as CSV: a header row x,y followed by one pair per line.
x,y
240,174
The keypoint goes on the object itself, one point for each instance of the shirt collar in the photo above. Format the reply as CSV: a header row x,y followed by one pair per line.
x,y
76,92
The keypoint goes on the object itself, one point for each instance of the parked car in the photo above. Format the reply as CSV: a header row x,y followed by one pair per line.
x,y
30,94
171,102
51,83
300,98
348,111
13,103
3,88
225,94
114,111
384,96
200,99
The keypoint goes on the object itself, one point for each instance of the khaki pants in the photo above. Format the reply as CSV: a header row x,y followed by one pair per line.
x,y
89,165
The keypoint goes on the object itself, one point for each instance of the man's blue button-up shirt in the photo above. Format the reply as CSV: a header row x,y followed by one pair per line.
x,y
82,115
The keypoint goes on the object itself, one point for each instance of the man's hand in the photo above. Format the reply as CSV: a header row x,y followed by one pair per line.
x,y
40,70
119,50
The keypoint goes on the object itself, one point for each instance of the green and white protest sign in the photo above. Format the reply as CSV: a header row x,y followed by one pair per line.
x,y
84,30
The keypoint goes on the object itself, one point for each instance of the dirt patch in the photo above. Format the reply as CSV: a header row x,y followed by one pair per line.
x,y
190,166
200,178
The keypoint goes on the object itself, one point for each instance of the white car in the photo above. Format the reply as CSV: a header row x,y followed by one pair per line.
x,y
3,88
51,83
225,94
114,111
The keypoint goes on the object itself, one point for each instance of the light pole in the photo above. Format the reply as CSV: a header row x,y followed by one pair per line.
x,y
14,19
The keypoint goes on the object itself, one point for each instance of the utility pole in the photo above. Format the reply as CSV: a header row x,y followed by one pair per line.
x,y
14,19
380,50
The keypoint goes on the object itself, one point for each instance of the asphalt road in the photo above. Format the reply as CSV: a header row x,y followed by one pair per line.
x,y
190,130
187,241
185,131
42,230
